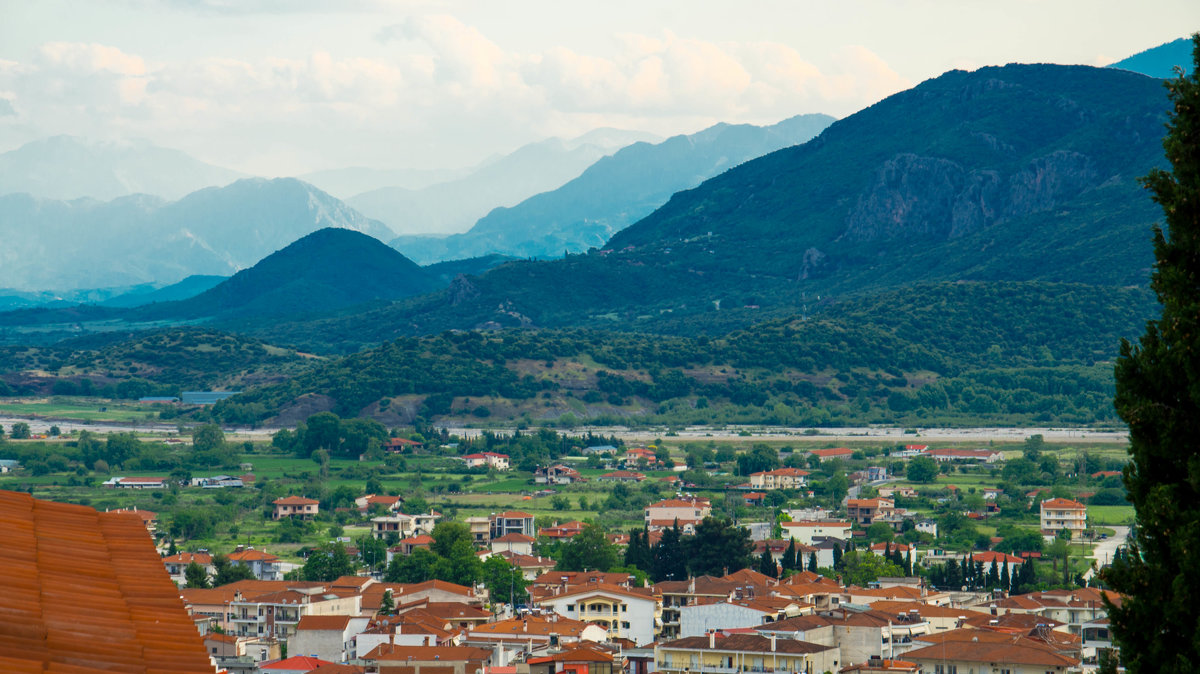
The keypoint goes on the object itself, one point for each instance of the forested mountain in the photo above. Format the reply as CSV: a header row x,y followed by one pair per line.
x,y
188,287
987,352
327,270
65,167
1160,61
1003,174
453,206
612,193
62,245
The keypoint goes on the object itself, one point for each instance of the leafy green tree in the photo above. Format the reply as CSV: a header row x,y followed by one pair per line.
x,y
588,550
323,430
1157,625
922,469
195,576
719,547
20,431
504,582
453,544
838,486
372,551
327,563
880,532
417,567
207,438
227,572
861,568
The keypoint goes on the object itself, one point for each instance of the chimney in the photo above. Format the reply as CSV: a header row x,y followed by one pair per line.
x,y
712,638
772,642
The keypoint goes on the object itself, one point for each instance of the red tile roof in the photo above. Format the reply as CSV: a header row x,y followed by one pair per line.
x,y
514,515
323,622
1063,504
514,538
56,557
298,662
252,556
295,500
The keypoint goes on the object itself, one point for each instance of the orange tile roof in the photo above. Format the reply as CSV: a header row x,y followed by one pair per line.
x,y
514,515
1064,504
251,556
57,555
294,500
201,558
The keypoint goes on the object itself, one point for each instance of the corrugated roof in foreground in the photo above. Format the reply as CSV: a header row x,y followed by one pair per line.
x,y
86,591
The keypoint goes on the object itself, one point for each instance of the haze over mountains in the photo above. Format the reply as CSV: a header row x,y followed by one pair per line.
x,y
453,206
65,167
86,243
612,193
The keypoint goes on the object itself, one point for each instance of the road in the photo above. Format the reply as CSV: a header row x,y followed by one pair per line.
x,y
1104,550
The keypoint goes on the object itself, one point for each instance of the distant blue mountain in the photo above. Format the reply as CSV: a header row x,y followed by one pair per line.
x,y
1160,61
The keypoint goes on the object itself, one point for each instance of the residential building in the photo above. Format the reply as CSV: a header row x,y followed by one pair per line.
x,y
392,659
264,565
621,476
1060,513
867,511
487,459
624,613
687,511
512,522
720,653
562,531
295,506
782,478
600,449
807,532
514,542
635,455
405,546
177,565
971,650
580,660
395,524
557,474
398,445
531,566
973,455
481,529
752,610
369,502
136,482
516,636
277,614
329,637
843,453
882,666
1001,559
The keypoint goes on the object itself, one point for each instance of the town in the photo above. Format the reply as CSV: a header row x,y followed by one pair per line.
x,y
541,552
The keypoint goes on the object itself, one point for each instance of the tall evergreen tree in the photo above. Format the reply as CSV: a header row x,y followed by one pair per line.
x,y
766,564
992,580
789,560
812,562
837,556
1005,581
670,557
637,553
1157,626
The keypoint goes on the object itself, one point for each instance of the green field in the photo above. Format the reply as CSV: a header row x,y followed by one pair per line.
x,y
1110,514
80,409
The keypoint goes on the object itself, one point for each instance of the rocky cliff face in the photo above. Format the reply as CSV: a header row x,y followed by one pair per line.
x,y
918,197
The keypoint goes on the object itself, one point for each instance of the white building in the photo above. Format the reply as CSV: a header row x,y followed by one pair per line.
x,y
805,532
1061,513
625,614
328,637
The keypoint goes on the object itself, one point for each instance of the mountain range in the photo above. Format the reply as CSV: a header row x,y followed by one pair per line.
x,y
65,167
85,243
455,205
612,193
1160,61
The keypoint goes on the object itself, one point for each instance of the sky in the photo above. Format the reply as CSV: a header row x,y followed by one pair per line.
x,y
285,87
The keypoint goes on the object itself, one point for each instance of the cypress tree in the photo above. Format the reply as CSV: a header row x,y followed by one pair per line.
x,y
993,576
1157,626
1005,581
812,562
789,556
908,569
766,565
837,556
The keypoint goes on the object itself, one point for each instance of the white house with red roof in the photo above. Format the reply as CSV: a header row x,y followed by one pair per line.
x,y
295,506
807,532
1001,559
687,511
514,542
557,474
397,445
562,531
329,637
834,453
782,478
297,664
1060,513
177,564
512,522
489,459
623,612
264,565
389,503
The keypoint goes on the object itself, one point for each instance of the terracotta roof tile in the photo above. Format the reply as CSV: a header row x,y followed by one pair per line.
x,y
57,555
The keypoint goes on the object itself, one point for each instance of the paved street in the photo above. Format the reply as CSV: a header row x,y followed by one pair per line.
x,y
1104,550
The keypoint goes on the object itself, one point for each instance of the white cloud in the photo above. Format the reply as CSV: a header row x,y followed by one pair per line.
x,y
432,90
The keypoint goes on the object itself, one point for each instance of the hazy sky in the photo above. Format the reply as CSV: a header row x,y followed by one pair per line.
x,y
280,87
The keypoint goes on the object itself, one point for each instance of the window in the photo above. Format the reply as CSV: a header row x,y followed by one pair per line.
x,y
570,607
624,625
624,608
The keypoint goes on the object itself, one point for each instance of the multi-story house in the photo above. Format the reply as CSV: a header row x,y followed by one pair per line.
x,y
782,478
867,511
264,565
512,522
625,613
295,506
718,653
1061,513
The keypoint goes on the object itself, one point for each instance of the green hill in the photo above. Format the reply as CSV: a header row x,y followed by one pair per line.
x,y
327,270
